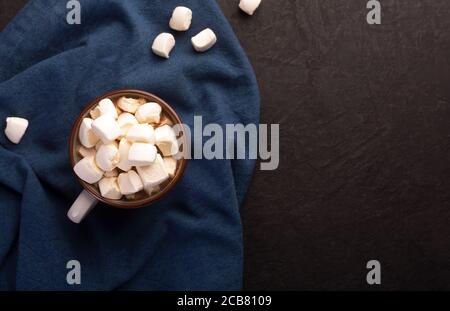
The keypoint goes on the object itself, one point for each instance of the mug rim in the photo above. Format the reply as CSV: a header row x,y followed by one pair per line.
x,y
120,203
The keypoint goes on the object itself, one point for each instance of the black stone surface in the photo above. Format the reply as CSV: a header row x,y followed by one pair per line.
x,y
365,143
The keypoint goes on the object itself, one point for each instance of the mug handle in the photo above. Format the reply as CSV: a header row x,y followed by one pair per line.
x,y
81,207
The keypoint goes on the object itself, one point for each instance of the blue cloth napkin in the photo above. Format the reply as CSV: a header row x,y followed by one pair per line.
x,y
49,70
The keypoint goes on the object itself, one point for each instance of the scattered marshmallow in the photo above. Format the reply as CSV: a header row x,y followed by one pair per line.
x,y
166,140
181,19
125,121
15,129
249,6
154,174
86,135
141,133
142,154
204,40
170,165
106,128
163,44
128,104
107,157
88,171
149,113
124,150
130,183
109,188
104,107
86,152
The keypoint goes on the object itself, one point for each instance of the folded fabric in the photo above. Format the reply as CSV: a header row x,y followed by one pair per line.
x,y
49,70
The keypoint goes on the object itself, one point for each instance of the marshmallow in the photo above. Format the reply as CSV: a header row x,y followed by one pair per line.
x,y
150,190
128,104
109,188
106,128
113,173
149,113
249,6
166,140
142,154
204,40
86,152
154,174
87,170
125,121
15,129
142,133
130,183
181,19
86,135
104,107
124,149
107,157
171,165
163,44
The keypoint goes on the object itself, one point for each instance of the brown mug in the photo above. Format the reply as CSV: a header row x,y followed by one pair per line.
x,y
90,196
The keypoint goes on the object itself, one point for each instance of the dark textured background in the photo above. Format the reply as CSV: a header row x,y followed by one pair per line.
x,y
365,143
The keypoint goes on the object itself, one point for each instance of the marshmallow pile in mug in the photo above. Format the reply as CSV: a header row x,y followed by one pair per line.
x,y
126,147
